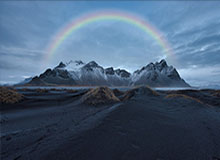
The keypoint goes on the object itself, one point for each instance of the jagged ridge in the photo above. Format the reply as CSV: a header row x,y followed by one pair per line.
x,y
157,74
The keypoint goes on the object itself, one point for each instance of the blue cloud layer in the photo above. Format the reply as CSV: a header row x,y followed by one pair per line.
x,y
192,28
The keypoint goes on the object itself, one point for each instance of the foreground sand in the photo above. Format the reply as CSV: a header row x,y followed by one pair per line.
x,y
56,125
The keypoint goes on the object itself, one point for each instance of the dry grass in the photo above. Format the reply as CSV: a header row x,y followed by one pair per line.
x,y
143,90
99,96
216,93
183,96
71,90
128,95
39,90
9,96
55,89
154,93
25,89
117,92
186,91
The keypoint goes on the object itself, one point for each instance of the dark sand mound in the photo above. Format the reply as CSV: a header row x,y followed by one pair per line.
x,y
100,95
209,97
56,126
39,90
70,90
183,96
117,92
216,93
142,90
9,96
44,90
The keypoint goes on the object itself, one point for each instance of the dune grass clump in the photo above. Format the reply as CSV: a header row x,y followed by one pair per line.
x,y
216,93
147,90
186,91
9,96
71,91
39,90
25,89
139,90
183,96
99,96
117,92
63,89
54,89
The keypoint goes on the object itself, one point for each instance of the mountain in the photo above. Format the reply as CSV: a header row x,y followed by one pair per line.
x,y
25,81
157,74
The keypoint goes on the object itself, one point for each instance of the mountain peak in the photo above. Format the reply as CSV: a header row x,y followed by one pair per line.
x,y
91,64
122,73
61,65
110,71
79,62
163,63
76,62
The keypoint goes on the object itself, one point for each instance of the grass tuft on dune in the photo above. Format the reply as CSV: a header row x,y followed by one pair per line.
x,y
183,96
216,93
117,92
141,90
71,91
99,96
9,96
39,90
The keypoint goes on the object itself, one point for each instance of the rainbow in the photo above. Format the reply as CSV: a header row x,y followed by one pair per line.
x,y
83,20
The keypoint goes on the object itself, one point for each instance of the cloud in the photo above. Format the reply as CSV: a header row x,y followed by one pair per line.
x,y
192,29
15,62
201,76
21,52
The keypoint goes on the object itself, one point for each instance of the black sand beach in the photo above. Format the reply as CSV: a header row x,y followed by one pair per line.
x,y
56,124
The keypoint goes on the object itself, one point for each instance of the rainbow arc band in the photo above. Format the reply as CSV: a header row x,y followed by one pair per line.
x,y
82,21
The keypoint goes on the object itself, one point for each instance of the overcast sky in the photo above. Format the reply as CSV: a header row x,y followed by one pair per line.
x,y
191,28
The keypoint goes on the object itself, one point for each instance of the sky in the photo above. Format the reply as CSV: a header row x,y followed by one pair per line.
x,y
191,28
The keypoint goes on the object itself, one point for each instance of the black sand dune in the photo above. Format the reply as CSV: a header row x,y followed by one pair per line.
x,y
9,96
99,96
165,125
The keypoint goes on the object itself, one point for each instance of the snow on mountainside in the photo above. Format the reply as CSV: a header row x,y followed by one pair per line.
x,y
158,75
92,74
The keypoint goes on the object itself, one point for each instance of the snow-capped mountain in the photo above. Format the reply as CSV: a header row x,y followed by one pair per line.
x,y
159,75
92,74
